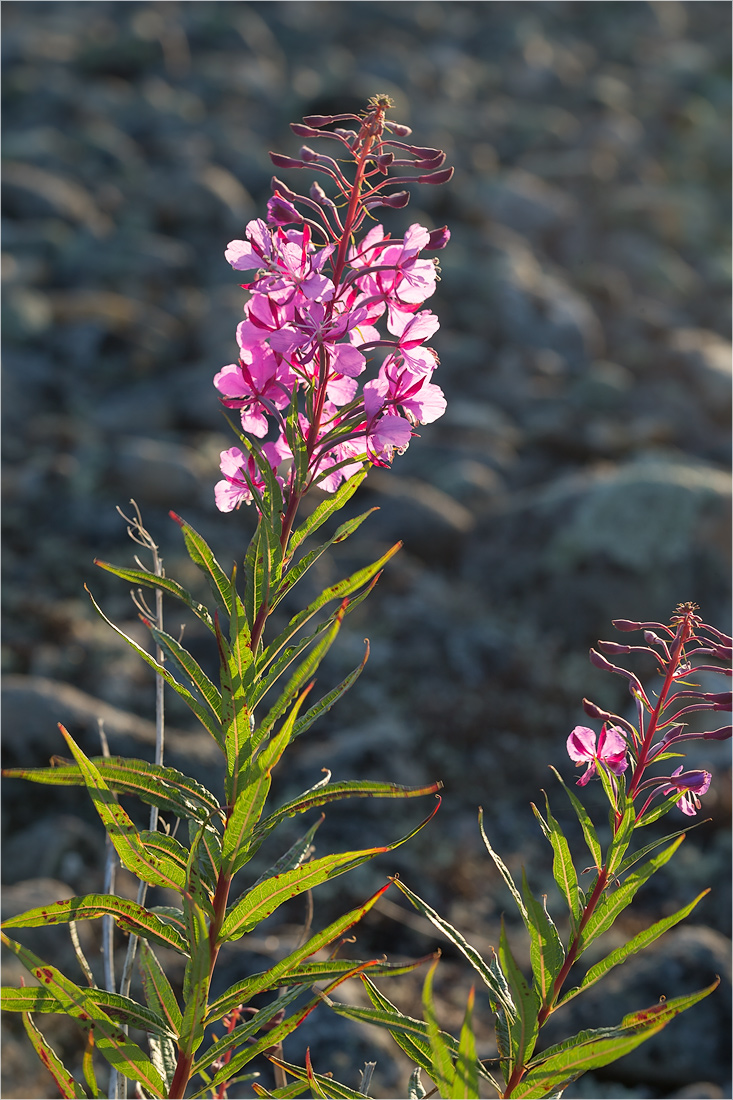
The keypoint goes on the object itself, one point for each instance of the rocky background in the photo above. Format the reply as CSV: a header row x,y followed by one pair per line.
x,y
580,474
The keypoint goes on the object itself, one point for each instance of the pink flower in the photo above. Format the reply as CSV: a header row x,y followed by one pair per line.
x,y
611,751
237,467
258,384
690,785
397,385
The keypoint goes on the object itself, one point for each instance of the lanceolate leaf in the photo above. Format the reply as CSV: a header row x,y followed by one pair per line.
x,y
235,716
255,786
586,824
338,591
301,675
165,584
498,991
243,991
204,715
195,982
564,1063
121,1009
157,989
328,507
465,1082
245,1031
331,792
442,1073
503,871
523,1028
201,555
636,856
264,899
128,915
324,704
294,574
328,1087
614,903
563,869
189,667
120,1051
133,855
65,1082
636,943
621,839
546,950
170,790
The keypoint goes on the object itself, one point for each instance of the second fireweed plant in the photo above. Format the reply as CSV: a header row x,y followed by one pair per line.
x,y
622,756
333,376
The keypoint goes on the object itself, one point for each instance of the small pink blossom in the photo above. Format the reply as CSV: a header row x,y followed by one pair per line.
x,y
691,785
259,384
611,751
235,487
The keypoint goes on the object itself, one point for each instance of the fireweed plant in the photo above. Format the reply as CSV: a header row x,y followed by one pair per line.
x,y
333,376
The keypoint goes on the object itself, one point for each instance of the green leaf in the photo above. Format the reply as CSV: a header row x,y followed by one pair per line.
x,y
328,507
586,824
503,871
279,974
153,869
636,856
294,574
328,1087
239,1035
612,904
637,943
546,949
265,898
157,989
293,857
120,1051
165,584
303,673
65,1082
255,787
465,1081
442,1073
202,712
563,869
201,555
498,991
257,571
564,1063
522,1030
195,982
662,808
128,915
621,838
415,1091
189,667
87,1065
321,794
121,1009
235,716
327,701
164,1056
168,789
337,591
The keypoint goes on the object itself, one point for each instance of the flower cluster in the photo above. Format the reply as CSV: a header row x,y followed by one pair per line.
x,y
680,650
310,329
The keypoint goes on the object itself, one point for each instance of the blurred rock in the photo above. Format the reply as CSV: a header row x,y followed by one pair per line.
x,y
705,360
645,533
